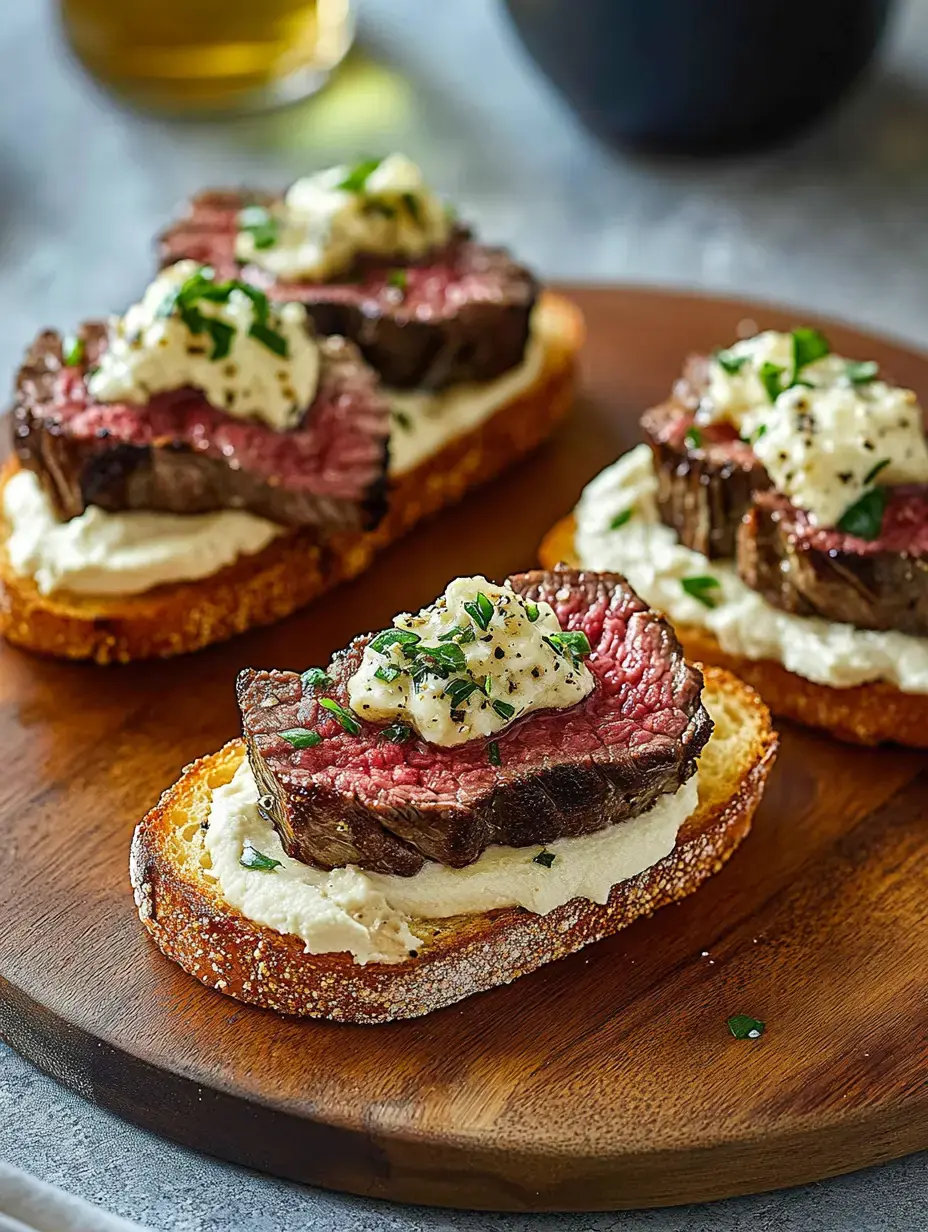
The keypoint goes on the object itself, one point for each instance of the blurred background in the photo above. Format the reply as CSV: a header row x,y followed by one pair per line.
x,y
831,220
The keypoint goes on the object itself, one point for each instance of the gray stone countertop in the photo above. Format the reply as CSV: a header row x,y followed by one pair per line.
x,y
836,223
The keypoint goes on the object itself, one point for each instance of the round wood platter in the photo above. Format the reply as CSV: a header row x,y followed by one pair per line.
x,y
606,1080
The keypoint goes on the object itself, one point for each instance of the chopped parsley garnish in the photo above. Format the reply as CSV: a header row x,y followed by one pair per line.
x,y
864,519
760,432
260,224
315,678
862,371
693,437
251,857
344,717
402,419
480,610
874,471
700,588
301,737
531,611
397,278
771,377
394,637
356,179
270,338
574,646
459,691
388,672
493,754
397,733
457,634
729,362
222,335
743,1027
545,858
620,519
73,351
504,710
809,345
411,201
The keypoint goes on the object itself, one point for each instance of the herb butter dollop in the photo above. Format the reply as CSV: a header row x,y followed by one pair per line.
x,y
380,207
824,427
250,358
477,659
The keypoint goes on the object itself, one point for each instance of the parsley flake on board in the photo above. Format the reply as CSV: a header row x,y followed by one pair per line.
x,y
260,224
864,519
493,754
743,1027
693,437
342,716
700,588
315,678
251,857
301,737
72,352
544,858
862,371
620,519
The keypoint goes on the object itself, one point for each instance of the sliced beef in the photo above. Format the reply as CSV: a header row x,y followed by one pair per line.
x,y
705,488
463,314
179,454
360,799
872,584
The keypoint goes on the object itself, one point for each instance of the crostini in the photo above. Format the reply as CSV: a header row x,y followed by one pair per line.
x,y
214,459
484,787
778,515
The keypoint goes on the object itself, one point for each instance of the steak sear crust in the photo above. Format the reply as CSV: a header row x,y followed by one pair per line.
x,y
179,454
462,315
360,799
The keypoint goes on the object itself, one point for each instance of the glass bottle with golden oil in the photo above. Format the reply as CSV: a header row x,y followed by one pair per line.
x,y
197,56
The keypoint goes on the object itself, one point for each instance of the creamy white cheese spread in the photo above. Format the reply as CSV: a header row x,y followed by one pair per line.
x,y
381,207
249,357
618,528
474,661
104,553
376,917
823,426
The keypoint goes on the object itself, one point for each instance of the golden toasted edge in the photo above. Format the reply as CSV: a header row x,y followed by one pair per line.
x,y
293,569
191,924
876,713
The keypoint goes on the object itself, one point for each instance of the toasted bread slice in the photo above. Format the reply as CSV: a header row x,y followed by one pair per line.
x,y
295,568
876,713
179,904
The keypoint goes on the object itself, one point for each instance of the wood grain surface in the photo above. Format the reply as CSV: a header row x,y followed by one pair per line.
x,y
606,1080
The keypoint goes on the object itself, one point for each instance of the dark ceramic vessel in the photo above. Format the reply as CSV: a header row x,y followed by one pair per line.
x,y
700,76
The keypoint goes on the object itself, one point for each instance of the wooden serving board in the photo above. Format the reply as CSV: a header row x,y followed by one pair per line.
x,y
606,1080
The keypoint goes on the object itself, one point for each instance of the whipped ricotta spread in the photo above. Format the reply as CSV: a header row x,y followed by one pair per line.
x,y
824,427
250,358
377,917
381,207
474,661
618,528
104,553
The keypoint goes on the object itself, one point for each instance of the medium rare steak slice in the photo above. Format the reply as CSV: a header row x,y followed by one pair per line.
x,y
705,479
811,571
358,798
462,315
179,454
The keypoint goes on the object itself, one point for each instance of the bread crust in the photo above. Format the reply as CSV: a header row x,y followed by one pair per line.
x,y
295,568
192,925
875,713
